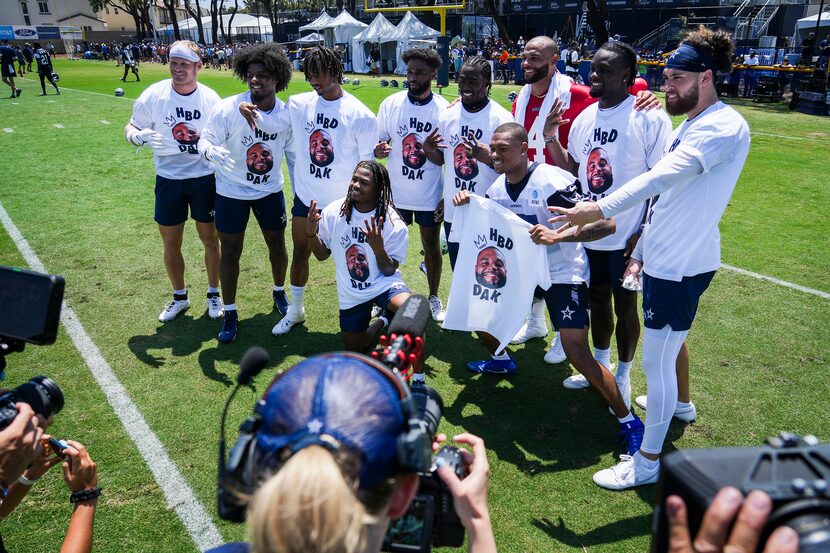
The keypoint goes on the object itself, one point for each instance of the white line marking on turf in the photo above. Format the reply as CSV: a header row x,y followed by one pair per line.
x,y
59,126
104,122
777,281
781,136
177,492
8,130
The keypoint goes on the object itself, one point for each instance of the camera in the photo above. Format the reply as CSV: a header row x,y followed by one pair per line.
x,y
31,306
41,393
431,518
793,471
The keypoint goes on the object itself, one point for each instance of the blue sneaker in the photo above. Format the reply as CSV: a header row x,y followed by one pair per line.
x,y
631,435
229,327
493,366
281,302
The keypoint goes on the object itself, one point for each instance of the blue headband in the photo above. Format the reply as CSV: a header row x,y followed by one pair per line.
x,y
689,58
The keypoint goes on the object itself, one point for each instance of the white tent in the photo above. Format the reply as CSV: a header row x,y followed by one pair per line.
x,y
375,33
313,38
807,25
342,29
322,20
410,33
249,27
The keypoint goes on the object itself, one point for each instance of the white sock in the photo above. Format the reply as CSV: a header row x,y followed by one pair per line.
x,y
660,349
278,288
623,368
230,307
645,462
297,296
385,321
603,356
213,290
537,309
182,292
418,377
502,357
683,405
628,418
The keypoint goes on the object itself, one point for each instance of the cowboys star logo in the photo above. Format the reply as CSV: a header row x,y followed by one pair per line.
x,y
314,426
566,313
648,314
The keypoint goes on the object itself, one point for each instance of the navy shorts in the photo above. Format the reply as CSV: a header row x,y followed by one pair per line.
x,y
356,319
568,305
452,247
299,209
607,267
8,70
667,302
423,218
232,214
173,197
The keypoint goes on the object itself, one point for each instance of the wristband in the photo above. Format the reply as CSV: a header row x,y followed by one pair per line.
x,y
550,138
25,481
84,495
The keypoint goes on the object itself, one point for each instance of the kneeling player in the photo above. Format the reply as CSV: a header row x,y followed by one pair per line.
x,y
369,241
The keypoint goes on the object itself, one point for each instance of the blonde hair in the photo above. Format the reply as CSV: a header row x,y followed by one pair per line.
x,y
308,506
189,44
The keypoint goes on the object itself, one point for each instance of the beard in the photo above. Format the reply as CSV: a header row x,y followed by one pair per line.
x,y
538,75
684,104
417,91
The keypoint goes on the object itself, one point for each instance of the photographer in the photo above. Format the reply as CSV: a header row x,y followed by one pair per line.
x,y
20,443
328,462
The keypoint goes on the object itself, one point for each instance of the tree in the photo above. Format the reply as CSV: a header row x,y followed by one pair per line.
x,y
139,10
494,13
226,35
171,10
197,15
597,16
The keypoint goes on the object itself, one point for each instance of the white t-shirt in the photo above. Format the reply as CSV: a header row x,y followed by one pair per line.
x,y
359,279
498,269
462,172
258,155
691,187
612,146
340,133
416,181
180,121
547,185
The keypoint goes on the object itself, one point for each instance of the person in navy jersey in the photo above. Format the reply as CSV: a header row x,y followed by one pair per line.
x,y
7,57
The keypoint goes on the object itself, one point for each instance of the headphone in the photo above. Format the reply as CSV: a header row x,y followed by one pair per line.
x,y
238,477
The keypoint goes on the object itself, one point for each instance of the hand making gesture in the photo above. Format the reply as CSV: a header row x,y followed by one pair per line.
x,y
374,234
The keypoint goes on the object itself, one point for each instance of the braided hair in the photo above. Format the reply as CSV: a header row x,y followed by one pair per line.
x,y
323,61
627,54
383,188
478,62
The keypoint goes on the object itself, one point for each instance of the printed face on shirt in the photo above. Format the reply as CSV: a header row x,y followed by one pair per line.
x,y
357,263
259,159
466,166
491,269
413,152
185,134
599,171
320,148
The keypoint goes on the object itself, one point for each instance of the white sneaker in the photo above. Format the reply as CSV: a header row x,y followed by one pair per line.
x,y
685,414
533,328
287,323
556,354
628,473
579,382
215,307
172,310
437,309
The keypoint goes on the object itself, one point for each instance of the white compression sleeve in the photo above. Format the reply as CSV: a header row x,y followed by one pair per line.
x,y
660,349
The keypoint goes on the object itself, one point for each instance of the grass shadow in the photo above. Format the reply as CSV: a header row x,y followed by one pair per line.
x,y
613,532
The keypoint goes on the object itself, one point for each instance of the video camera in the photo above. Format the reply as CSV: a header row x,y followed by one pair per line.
x,y
793,471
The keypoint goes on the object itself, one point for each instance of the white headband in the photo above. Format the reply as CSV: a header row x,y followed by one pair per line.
x,y
179,51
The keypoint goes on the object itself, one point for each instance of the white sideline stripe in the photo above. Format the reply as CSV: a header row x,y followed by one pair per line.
x,y
8,130
59,126
104,122
783,136
177,492
777,281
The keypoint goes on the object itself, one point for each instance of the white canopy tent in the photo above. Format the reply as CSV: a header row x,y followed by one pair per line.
x,y
249,27
807,25
322,20
375,33
409,33
342,29
313,38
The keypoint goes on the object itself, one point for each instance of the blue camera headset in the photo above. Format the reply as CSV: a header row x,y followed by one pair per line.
x,y
238,478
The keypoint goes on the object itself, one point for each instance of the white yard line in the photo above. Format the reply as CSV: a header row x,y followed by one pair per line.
x,y
178,493
777,281
103,121
8,130
59,126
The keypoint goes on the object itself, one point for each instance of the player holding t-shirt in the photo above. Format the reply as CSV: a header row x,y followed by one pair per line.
x,y
369,242
404,121
168,117
609,144
690,187
545,85
249,173
527,188
44,68
459,143
332,130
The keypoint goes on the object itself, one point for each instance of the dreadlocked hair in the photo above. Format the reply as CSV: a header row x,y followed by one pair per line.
x,y
323,61
269,55
383,187
717,44
627,54
478,62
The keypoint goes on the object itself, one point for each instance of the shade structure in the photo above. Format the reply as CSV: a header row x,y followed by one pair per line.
x,y
251,28
313,38
342,29
374,35
410,33
807,25
322,20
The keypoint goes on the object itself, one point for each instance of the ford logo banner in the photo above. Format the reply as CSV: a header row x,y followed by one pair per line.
x,y
25,33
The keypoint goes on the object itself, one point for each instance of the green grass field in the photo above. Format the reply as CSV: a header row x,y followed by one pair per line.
x,y
83,199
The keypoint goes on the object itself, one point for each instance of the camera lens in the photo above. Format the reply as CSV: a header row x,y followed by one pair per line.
x,y
41,393
428,406
810,518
